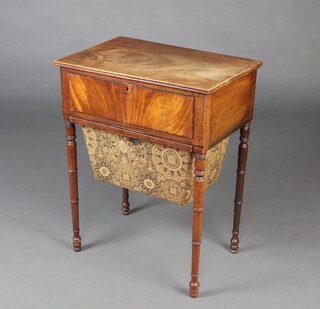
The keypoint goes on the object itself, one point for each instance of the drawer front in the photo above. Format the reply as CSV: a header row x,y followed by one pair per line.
x,y
159,110
132,105
97,97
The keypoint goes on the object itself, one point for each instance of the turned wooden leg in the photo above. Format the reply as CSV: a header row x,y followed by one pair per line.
x,y
242,161
199,187
73,182
125,201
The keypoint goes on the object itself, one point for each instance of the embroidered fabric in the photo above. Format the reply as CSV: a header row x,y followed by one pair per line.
x,y
150,168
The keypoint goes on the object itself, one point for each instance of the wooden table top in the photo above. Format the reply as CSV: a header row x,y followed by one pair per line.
x,y
161,64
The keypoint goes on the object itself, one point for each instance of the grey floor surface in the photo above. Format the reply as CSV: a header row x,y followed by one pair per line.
x,y
143,260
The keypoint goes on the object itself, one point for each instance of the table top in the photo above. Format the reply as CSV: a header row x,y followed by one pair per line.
x,y
159,63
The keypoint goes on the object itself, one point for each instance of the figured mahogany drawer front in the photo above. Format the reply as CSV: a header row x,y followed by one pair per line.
x,y
158,110
129,104
97,97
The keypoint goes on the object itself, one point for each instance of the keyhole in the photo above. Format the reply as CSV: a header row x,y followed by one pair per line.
x,y
127,89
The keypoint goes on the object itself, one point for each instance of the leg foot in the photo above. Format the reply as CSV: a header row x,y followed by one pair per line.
x,y
76,244
125,202
194,289
242,161
234,243
73,183
199,187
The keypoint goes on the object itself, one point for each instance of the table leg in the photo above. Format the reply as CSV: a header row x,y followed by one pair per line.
x,y
199,187
73,182
125,201
242,161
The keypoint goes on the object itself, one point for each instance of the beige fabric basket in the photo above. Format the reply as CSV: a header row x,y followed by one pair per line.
x,y
149,168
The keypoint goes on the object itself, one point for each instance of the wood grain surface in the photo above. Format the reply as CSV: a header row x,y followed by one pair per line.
x,y
159,110
97,97
159,63
231,105
145,107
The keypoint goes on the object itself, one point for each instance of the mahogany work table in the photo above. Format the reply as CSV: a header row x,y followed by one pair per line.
x,y
176,97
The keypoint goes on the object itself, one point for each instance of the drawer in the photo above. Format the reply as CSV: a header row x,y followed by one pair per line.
x,y
143,107
159,110
97,97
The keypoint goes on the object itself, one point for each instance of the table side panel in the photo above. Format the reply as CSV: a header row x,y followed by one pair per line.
x,y
230,106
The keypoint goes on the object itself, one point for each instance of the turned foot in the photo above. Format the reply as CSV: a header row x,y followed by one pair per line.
x,y
194,289
234,243
76,244
125,208
125,201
